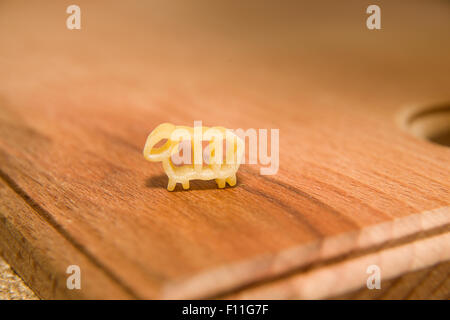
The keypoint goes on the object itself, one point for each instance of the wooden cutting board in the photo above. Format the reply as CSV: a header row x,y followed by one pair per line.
x,y
354,187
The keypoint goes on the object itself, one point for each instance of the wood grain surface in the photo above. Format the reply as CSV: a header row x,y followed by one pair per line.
x,y
76,107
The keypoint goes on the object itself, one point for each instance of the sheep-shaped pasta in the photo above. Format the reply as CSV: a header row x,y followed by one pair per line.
x,y
195,163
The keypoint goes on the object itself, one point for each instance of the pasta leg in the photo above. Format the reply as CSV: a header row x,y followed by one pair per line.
x,y
171,185
185,185
232,180
220,183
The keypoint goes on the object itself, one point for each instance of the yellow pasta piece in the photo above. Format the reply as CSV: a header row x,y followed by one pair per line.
x,y
221,163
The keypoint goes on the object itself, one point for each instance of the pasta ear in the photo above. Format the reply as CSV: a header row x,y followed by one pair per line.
x,y
161,132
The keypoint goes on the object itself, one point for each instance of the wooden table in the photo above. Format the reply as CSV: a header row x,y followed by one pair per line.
x,y
354,187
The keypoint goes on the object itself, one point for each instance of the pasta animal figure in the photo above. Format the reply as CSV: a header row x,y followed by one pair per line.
x,y
221,162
